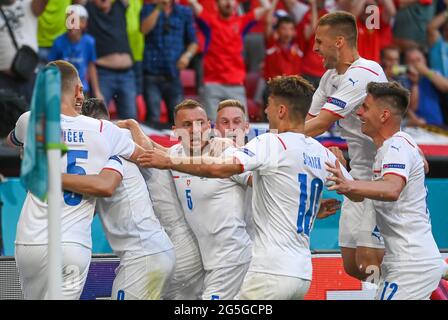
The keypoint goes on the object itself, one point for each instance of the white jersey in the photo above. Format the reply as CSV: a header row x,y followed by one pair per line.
x,y
288,179
214,209
342,95
131,227
165,203
90,144
405,223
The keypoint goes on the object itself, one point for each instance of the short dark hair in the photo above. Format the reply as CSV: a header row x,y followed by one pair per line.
x,y
187,104
69,74
342,24
295,91
95,108
392,94
284,19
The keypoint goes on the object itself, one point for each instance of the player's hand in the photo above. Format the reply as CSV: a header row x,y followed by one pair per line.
x,y
339,183
328,207
218,145
339,155
155,159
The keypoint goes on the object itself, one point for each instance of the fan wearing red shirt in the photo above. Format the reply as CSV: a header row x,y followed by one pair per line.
x,y
224,69
313,69
370,40
283,56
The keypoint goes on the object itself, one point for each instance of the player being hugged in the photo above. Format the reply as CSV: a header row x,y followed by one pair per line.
x,y
412,266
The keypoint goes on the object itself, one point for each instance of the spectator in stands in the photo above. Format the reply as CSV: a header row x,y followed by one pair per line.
x,y
170,44
136,41
22,19
283,56
313,69
78,48
390,61
438,48
107,24
254,41
370,36
424,85
51,24
224,69
438,42
410,22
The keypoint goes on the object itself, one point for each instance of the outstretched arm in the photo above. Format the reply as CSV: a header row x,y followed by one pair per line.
x,y
199,166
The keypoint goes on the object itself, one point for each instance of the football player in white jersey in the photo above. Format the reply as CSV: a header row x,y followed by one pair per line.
x,y
341,91
146,253
231,122
187,280
288,179
412,266
90,144
214,209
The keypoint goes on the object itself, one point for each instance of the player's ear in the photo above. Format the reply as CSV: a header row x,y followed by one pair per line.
x,y
385,115
339,42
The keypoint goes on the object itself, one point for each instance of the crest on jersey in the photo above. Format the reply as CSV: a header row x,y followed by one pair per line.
x,y
188,182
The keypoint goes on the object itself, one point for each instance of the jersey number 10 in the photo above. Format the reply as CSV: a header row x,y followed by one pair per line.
x,y
306,217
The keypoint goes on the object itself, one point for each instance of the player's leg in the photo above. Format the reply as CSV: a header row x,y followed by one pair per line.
x,y
408,280
348,228
263,286
224,283
187,280
75,267
31,263
144,278
362,246
369,244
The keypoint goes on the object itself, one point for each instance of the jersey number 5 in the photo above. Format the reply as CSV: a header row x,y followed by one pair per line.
x,y
306,217
71,198
189,199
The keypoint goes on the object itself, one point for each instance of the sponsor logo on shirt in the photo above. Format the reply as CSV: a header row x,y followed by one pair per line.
x,y
336,102
335,86
248,152
394,166
376,233
353,81
396,148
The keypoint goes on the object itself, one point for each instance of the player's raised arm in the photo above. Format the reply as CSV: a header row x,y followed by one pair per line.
x,y
199,166
388,189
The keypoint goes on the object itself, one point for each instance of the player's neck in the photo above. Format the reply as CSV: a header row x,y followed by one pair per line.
x,y
384,134
291,127
347,57
68,109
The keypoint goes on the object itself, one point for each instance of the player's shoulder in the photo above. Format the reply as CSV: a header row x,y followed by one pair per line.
x,y
367,69
24,117
327,76
400,142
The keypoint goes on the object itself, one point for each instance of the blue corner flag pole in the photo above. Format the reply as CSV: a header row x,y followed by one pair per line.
x,y
41,165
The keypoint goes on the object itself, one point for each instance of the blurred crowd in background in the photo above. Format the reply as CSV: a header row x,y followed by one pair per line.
x,y
144,57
